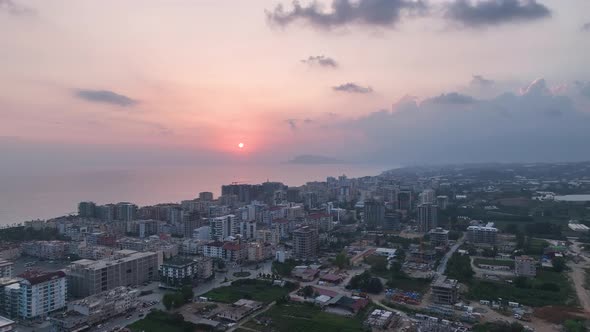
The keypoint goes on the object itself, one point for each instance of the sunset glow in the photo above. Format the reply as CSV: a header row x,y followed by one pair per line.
x,y
241,145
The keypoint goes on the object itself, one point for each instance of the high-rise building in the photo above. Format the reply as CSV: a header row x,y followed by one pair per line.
x,y
374,213
305,242
223,227
126,268
245,193
392,220
125,211
427,196
404,200
427,217
206,196
442,202
87,210
293,195
36,294
248,229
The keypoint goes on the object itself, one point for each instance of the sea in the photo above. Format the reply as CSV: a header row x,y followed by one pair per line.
x,y
41,196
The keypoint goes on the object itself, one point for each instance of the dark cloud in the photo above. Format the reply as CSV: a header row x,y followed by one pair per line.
x,y
14,8
105,96
480,13
586,27
320,60
452,98
481,82
292,123
534,125
352,88
344,12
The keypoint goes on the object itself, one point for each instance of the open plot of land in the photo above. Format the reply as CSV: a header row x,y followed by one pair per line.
x,y
303,318
251,289
494,262
536,295
158,321
410,284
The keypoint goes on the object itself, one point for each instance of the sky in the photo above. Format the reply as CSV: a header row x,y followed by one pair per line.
x,y
115,83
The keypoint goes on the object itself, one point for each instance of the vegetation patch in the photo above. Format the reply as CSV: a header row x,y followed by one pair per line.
x,y
242,274
548,288
493,262
251,289
162,321
301,317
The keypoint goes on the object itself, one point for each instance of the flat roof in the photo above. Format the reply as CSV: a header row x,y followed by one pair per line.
x,y
4,322
99,264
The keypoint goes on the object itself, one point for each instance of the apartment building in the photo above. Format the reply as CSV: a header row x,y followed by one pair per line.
x,y
482,234
305,242
126,268
439,237
445,291
35,295
6,269
178,271
525,266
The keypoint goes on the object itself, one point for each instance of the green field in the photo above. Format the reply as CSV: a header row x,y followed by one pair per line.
x,y
536,295
161,321
494,262
410,284
304,318
251,289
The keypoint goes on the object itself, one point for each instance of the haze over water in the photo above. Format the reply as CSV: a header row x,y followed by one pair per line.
x,y
26,197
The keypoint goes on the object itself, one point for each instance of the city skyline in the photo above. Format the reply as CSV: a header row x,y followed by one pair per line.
x,y
381,82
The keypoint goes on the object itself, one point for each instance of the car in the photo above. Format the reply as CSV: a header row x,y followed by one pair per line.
x,y
128,316
141,314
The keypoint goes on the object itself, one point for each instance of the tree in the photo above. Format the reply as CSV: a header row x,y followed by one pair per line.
x,y
558,264
374,286
187,293
341,260
574,326
307,291
168,301
522,282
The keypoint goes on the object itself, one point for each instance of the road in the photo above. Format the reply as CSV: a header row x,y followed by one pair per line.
x,y
578,275
443,262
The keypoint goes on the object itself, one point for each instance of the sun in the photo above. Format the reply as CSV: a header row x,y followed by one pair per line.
x,y
241,145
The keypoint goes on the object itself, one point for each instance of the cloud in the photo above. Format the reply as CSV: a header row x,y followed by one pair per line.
x,y
584,88
352,88
481,13
105,96
14,8
385,13
292,124
481,82
586,27
320,60
453,98
536,124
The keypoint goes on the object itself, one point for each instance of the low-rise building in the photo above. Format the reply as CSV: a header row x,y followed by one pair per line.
x,y
482,234
239,310
439,237
126,268
6,269
6,325
525,266
95,309
204,267
445,291
178,271
45,249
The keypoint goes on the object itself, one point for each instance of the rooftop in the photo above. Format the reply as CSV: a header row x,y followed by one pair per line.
x,y
444,282
5,322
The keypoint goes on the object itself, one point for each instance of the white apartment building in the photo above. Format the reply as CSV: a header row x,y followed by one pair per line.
x,y
223,227
36,295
